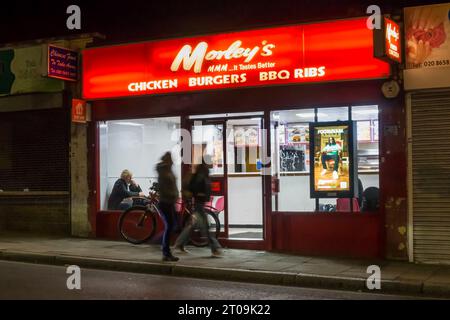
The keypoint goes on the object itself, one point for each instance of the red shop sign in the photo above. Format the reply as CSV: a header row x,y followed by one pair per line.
x,y
392,40
319,52
388,42
79,113
216,187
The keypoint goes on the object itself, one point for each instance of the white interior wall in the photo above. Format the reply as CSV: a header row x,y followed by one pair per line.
x,y
245,200
103,165
136,145
294,192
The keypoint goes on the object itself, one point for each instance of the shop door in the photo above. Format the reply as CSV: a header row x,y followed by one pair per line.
x,y
235,148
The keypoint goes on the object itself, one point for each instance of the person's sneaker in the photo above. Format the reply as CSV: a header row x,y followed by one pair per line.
x,y
323,172
335,175
181,249
216,253
170,258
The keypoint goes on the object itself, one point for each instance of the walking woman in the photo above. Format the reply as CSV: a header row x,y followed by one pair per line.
x,y
168,195
200,187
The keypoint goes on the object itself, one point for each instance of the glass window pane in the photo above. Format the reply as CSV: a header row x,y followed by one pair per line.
x,y
290,156
244,138
290,159
136,145
366,118
332,114
208,140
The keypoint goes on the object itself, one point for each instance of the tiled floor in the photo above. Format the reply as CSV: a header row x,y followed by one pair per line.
x,y
245,233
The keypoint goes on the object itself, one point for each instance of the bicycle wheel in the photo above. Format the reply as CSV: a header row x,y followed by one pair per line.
x,y
138,224
197,239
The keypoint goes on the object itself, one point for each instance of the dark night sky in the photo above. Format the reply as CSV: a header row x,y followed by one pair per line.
x,y
137,20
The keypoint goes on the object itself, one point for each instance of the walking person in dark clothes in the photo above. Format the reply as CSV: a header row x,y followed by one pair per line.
x,y
200,187
168,195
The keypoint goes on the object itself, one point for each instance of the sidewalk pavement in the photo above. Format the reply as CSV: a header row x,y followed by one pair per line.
x,y
234,265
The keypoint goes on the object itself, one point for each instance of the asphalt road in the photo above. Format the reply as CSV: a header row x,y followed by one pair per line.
x,y
33,281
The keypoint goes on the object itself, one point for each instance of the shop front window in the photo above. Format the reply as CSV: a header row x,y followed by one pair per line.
x,y
291,165
136,145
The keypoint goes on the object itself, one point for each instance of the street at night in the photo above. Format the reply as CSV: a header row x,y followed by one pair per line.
x,y
33,281
225,150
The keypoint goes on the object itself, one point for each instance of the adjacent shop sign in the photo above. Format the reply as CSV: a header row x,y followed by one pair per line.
x,y
387,41
79,111
319,52
332,156
62,63
427,33
21,72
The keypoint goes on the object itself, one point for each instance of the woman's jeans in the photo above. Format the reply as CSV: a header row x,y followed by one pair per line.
x,y
199,219
167,211
325,158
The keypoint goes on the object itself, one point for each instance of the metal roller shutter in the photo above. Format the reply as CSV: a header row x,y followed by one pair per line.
x,y
34,150
430,132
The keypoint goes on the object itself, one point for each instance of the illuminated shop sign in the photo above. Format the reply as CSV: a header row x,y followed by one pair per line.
x,y
388,42
62,63
328,51
79,111
333,174
392,40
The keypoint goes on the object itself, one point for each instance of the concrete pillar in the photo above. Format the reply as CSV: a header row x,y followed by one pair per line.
x,y
80,226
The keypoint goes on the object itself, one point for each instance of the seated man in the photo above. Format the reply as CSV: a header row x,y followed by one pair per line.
x,y
331,152
124,188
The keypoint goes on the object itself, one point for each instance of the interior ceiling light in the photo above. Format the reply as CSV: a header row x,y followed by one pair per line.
x,y
311,115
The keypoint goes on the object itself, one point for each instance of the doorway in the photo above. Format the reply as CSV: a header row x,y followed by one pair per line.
x,y
233,144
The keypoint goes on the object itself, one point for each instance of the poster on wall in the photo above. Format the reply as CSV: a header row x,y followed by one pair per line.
x,y
239,137
333,159
364,131
298,133
281,134
252,136
375,130
292,158
427,32
246,136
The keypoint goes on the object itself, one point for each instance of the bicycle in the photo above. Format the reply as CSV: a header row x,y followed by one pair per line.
x,y
138,223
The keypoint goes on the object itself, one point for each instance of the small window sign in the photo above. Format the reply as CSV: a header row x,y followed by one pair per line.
x,y
79,111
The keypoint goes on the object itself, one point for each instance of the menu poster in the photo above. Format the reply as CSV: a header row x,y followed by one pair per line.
x,y
427,31
246,136
333,159
364,131
239,137
252,136
281,134
298,133
375,130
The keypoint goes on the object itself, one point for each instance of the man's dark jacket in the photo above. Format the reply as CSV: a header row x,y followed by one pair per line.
x,y
200,186
120,192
